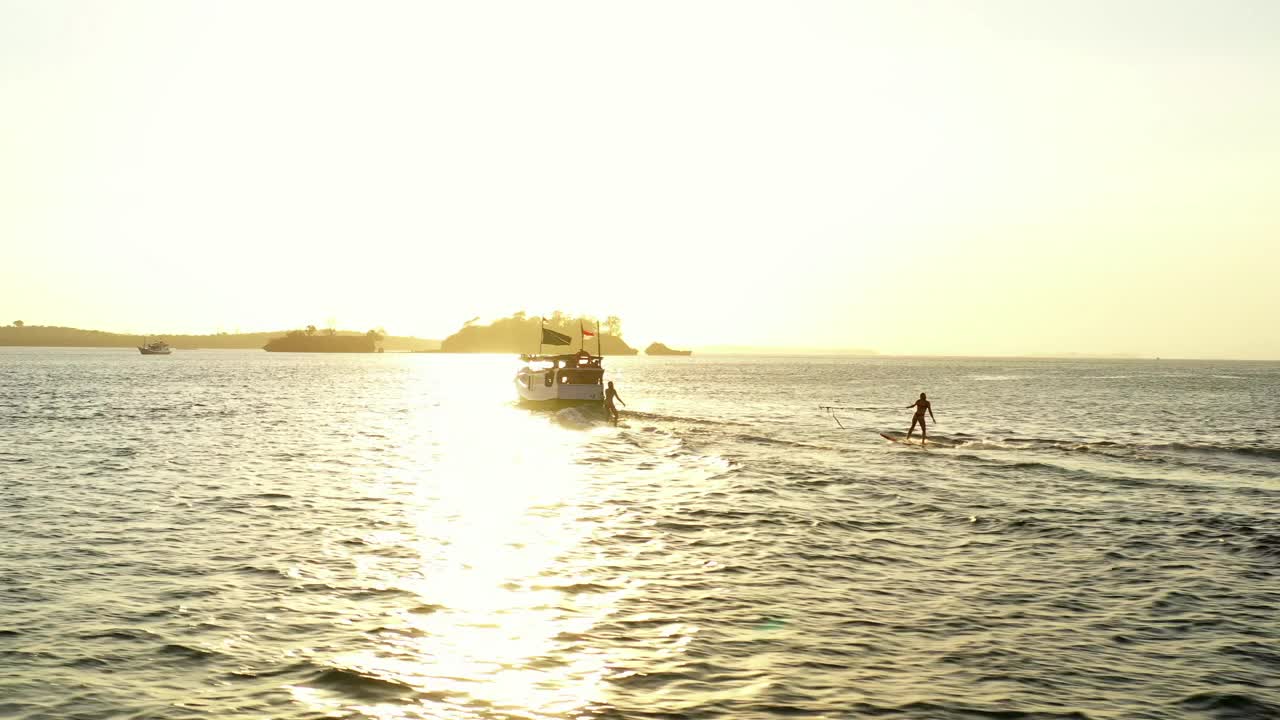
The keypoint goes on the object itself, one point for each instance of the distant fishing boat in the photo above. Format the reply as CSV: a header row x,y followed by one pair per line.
x,y
157,347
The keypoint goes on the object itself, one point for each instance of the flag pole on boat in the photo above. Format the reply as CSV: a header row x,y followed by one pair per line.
x,y
582,330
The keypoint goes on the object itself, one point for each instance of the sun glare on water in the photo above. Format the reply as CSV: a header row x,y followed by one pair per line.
x,y
500,517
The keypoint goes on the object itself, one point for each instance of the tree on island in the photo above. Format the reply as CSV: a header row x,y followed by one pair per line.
x,y
311,330
18,323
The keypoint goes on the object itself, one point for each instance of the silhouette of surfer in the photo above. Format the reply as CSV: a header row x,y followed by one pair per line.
x,y
609,396
921,406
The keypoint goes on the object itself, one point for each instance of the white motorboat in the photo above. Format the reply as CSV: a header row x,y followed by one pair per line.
x,y
561,380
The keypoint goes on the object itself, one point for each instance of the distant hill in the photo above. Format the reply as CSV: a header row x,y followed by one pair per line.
x,y
520,333
1088,356
51,336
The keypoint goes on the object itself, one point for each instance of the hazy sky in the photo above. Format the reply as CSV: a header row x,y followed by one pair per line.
x,y
915,177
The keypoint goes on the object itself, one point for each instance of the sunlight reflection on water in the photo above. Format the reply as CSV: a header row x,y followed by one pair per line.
x,y
499,524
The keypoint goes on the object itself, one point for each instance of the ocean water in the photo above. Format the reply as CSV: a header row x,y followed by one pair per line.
x,y
237,534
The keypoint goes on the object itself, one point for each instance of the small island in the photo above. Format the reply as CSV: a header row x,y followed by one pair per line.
x,y
308,341
520,333
660,349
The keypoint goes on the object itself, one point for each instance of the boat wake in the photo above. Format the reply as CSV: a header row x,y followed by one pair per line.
x,y
582,417
1110,447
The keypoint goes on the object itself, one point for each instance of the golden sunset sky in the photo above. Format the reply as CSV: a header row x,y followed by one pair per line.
x,y
942,177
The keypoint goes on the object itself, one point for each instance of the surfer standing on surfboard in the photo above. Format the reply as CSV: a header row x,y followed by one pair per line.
x,y
921,406
609,396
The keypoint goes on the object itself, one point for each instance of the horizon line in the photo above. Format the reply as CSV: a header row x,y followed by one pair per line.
x,y
765,352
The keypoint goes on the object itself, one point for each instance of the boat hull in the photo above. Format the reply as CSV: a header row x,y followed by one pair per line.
x,y
533,390
556,404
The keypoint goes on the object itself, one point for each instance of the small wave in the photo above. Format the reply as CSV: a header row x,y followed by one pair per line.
x,y
924,709
356,684
1028,466
1268,545
301,667
400,631
1230,705
1254,651
250,569
579,417
90,662
646,681
761,440
575,588
378,591
1269,453
188,593
136,634
187,652
1109,446
1035,526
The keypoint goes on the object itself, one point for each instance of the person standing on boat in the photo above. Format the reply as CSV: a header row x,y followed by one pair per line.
x,y
609,396
921,406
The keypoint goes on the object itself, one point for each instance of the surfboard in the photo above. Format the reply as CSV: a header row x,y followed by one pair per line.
x,y
915,442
